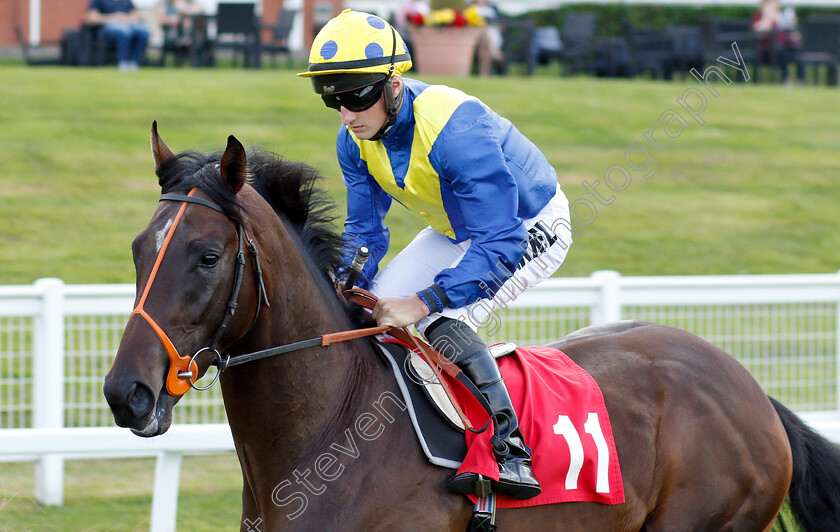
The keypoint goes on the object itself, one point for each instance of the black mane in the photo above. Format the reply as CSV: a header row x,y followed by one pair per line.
x,y
291,189
288,186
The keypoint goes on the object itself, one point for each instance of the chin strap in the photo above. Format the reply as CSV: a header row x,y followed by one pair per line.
x,y
392,104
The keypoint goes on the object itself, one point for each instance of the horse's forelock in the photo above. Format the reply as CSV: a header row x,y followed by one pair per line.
x,y
190,169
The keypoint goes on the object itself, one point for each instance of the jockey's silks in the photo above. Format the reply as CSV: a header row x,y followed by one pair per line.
x,y
468,172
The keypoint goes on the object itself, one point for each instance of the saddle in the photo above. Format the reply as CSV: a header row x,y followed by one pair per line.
x,y
437,420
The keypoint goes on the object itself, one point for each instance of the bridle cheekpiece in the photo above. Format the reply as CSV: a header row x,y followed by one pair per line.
x,y
183,370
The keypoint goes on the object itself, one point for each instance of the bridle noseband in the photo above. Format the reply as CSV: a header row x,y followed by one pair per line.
x,y
183,371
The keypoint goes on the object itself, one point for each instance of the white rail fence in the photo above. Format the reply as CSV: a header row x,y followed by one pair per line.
x,y
113,442
57,342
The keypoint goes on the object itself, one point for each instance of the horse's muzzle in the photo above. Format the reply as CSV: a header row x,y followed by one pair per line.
x,y
132,403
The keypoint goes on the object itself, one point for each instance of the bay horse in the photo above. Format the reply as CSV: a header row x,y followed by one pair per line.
x,y
322,444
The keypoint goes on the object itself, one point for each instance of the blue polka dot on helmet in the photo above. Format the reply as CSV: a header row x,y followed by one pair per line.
x,y
355,42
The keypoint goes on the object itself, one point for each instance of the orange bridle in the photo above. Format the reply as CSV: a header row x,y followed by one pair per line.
x,y
183,370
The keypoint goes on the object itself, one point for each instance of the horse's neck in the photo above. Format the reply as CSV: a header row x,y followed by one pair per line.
x,y
301,419
288,410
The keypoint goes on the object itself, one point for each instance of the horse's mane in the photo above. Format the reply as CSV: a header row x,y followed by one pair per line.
x,y
291,189
288,186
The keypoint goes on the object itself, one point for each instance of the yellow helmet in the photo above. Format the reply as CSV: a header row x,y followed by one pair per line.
x,y
356,43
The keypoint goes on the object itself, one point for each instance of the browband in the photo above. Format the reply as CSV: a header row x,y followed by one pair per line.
x,y
191,199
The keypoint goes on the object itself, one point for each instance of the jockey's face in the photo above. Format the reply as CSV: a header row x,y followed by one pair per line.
x,y
365,124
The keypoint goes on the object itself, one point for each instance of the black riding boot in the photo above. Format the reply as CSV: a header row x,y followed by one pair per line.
x,y
464,347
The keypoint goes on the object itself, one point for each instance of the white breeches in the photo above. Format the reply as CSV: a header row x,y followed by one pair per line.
x,y
416,266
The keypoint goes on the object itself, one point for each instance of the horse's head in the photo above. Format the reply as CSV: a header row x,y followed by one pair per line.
x,y
189,263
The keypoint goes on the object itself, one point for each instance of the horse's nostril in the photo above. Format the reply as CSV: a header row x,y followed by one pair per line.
x,y
140,400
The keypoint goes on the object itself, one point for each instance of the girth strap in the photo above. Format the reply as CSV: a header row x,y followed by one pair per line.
x,y
484,514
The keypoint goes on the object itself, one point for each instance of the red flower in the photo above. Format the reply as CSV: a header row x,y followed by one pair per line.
x,y
416,18
460,20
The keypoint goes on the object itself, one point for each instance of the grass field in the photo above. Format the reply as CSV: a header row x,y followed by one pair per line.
x,y
752,190
116,496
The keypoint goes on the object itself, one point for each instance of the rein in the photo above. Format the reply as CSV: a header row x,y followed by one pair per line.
x,y
319,341
367,300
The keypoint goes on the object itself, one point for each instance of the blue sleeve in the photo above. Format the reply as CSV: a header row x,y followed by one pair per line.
x,y
367,205
468,155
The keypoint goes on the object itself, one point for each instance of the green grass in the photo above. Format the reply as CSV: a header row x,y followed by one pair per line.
x,y
116,496
751,191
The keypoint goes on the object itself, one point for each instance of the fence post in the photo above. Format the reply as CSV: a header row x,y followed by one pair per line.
x,y
165,494
609,301
48,387
837,347
35,23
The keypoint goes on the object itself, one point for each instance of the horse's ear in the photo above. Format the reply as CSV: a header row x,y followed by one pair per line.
x,y
234,167
159,150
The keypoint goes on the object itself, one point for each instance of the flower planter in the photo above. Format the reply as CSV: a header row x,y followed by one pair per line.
x,y
445,51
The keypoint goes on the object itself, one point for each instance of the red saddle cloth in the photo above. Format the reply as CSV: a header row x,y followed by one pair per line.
x,y
563,419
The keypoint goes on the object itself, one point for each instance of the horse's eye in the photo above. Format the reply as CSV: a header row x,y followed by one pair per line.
x,y
209,259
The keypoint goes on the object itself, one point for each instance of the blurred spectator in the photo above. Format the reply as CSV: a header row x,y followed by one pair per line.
x,y
176,18
121,24
490,51
779,40
175,14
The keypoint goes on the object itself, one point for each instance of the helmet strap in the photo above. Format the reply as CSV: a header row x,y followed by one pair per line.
x,y
392,103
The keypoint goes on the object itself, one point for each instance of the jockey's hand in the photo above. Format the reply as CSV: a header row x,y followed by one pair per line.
x,y
399,311
339,289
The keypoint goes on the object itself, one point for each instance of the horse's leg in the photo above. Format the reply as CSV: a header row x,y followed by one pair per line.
x,y
727,480
251,520
723,458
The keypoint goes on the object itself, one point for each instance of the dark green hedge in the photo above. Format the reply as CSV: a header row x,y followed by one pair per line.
x,y
612,17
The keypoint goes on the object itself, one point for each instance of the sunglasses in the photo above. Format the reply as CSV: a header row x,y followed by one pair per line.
x,y
357,100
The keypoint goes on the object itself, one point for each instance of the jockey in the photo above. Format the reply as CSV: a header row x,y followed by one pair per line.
x,y
498,221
